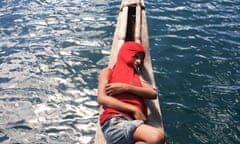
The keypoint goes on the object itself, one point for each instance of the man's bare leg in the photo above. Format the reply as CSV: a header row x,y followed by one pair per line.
x,y
149,134
139,142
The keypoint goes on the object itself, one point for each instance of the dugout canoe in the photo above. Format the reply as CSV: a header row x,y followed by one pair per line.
x,y
132,26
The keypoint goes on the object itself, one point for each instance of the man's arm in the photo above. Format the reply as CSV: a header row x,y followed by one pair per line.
x,y
109,101
146,91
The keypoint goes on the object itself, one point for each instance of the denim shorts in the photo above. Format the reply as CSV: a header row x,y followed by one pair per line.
x,y
119,129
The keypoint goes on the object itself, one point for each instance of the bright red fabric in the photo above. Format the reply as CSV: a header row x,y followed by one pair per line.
x,y
124,72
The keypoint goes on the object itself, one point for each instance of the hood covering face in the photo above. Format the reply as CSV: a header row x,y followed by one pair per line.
x,y
128,51
123,70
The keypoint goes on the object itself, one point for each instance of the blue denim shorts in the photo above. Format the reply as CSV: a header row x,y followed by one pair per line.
x,y
119,129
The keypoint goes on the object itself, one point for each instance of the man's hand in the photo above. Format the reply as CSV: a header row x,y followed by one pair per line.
x,y
138,115
115,88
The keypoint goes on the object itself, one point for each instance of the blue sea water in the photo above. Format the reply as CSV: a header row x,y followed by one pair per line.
x,y
52,50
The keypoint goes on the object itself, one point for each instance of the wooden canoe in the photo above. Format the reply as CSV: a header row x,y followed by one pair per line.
x,y
132,26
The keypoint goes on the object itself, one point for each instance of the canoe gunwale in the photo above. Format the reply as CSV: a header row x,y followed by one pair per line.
x,y
132,4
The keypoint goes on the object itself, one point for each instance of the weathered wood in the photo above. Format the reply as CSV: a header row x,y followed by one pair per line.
x,y
132,25
138,24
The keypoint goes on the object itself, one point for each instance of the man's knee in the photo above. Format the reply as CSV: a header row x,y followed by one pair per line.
x,y
159,137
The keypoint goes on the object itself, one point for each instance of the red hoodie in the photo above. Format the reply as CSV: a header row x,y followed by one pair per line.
x,y
124,72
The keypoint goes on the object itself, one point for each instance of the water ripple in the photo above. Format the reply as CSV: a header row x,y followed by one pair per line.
x,y
51,53
48,55
196,49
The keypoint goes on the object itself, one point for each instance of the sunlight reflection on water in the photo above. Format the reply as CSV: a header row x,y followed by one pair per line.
x,y
49,51
52,50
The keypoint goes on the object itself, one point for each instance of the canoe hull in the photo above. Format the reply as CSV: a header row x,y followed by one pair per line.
x,y
132,26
